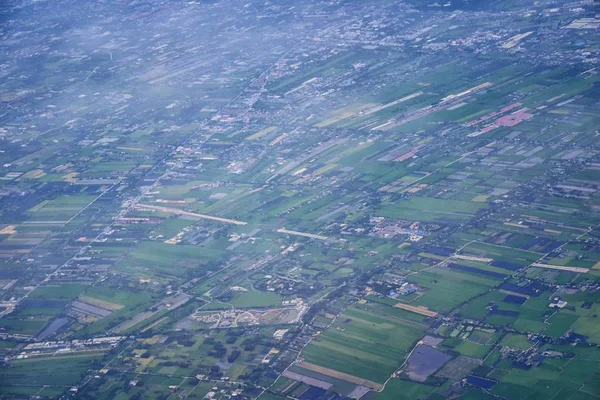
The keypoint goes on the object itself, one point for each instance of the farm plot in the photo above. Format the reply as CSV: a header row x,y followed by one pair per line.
x,y
60,210
365,342
151,259
429,209
448,288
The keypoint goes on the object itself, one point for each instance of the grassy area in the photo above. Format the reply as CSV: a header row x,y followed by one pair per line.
x,y
516,341
449,288
29,326
133,302
162,260
57,370
397,389
430,209
60,291
501,253
255,298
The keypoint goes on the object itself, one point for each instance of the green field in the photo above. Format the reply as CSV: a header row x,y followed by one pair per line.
x,y
365,342
133,302
398,389
166,260
62,291
501,253
57,370
448,288
255,298
430,209
516,341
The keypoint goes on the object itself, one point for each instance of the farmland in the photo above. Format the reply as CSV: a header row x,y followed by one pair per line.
x,y
306,200
378,344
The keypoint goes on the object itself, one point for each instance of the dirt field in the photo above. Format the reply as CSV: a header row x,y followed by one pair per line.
x,y
177,211
417,309
101,303
308,380
341,375
579,270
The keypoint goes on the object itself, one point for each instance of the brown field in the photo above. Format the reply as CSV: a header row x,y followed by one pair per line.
x,y
580,270
309,235
107,305
9,230
344,113
177,211
340,375
306,379
417,309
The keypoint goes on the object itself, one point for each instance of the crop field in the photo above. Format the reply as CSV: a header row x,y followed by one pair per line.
x,y
61,209
24,325
410,389
337,385
64,291
551,379
516,341
448,288
166,260
28,391
502,253
477,308
255,299
317,200
430,209
271,396
56,370
42,305
471,349
109,168
122,304
364,342
562,220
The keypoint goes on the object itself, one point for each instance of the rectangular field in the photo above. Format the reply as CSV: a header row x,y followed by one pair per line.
x,y
366,342
340,375
417,309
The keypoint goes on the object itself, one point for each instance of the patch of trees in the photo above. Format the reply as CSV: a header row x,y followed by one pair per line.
x,y
233,356
215,372
218,350
250,343
180,364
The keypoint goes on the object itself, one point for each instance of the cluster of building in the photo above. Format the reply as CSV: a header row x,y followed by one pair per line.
x,y
392,286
